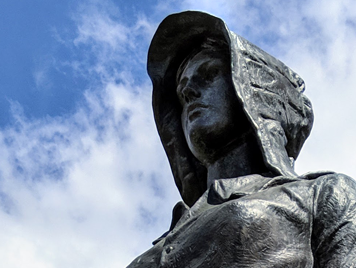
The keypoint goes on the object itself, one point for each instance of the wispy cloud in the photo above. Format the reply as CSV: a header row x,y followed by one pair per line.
x,y
115,49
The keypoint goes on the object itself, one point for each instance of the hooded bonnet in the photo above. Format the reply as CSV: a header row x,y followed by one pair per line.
x,y
270,93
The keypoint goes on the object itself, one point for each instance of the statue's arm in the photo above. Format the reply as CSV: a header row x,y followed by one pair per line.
x,y
334,224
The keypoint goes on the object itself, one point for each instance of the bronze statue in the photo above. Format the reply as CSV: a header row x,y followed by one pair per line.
x,y
232,120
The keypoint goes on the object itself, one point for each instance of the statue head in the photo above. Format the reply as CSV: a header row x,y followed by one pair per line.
x,y
211,117
211,87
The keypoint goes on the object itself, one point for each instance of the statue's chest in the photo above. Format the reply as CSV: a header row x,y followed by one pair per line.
x,y
251,230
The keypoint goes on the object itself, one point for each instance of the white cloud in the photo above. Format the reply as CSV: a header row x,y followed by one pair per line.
x,y
81,191
118,48
41,73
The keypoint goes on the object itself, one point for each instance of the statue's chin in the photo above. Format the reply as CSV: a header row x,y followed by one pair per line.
x,y
205,138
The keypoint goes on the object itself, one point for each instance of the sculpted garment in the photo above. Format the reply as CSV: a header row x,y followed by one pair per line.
x,y
256,221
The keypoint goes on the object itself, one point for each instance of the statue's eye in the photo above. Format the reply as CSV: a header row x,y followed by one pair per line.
x,y
211,73
208,72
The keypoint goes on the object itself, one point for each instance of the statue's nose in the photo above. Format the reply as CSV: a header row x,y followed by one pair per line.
x,y
190,93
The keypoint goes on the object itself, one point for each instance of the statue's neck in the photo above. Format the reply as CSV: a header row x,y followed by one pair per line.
x,y
243,159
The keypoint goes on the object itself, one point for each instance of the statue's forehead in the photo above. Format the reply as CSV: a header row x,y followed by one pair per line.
x,y
204,58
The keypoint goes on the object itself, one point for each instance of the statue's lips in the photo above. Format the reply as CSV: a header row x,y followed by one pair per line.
x,y
193,110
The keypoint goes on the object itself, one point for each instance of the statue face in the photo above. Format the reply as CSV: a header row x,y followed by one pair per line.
x,y
212,117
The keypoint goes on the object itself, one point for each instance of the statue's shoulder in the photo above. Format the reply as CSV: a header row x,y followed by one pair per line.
x,y
334,220
328,186
334,193
330,179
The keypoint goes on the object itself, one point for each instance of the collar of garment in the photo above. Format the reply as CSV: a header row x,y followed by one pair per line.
x,y
223,190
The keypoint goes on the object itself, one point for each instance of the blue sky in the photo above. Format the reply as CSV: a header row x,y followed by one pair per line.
x,y
29,49
84,181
